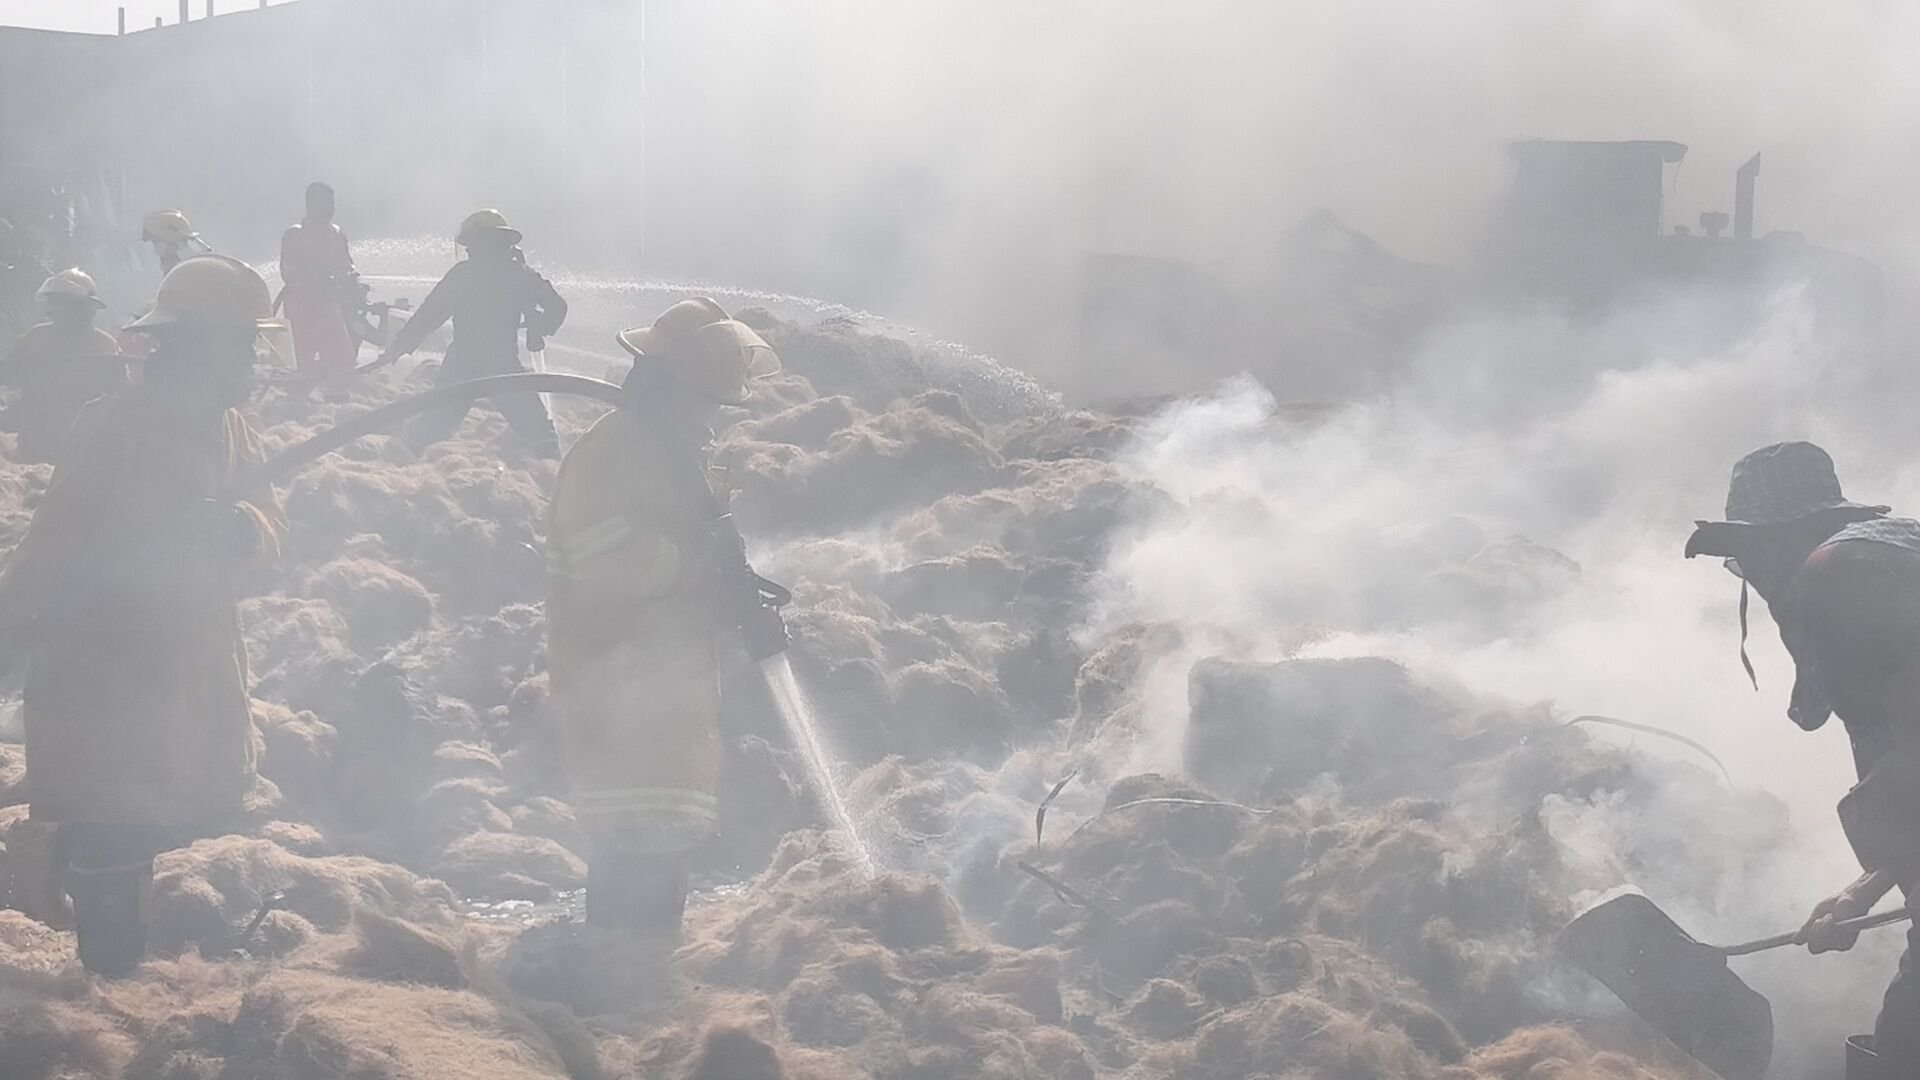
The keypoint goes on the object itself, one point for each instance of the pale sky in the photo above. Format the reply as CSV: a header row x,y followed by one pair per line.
x,y
98,16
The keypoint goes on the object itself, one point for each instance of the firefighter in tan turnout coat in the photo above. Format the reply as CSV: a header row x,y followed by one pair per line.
x,y
123,596
637,575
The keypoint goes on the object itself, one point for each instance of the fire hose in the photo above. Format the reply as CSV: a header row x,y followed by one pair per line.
x,y
756,602
359,311
388,417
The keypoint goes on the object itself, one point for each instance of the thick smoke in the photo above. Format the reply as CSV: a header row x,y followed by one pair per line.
x,y
951,163
993,591
1513,525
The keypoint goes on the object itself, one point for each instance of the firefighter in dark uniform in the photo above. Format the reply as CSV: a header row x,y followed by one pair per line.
x,y
489,296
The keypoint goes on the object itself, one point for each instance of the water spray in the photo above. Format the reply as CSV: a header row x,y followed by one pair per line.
x,y
804,729
762,629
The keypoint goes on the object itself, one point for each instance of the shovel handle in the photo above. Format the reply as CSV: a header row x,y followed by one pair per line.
x,y
1864,922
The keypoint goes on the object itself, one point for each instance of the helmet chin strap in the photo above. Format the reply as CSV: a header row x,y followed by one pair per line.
x,y
1746,661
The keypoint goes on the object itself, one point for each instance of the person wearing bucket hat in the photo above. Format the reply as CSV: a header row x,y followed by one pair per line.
x,y
489,296
60,365
122,599
1842,582
646,582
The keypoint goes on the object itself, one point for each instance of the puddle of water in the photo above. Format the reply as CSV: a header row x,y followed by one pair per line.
x,y
571,905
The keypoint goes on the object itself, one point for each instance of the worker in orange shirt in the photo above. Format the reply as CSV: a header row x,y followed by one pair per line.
x,y
318,271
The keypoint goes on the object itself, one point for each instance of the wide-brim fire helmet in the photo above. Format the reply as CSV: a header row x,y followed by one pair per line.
x,y
70,286
168,227
487,225
701,347
211,291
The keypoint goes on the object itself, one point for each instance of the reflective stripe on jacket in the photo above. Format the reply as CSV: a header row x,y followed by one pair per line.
x,y
630,624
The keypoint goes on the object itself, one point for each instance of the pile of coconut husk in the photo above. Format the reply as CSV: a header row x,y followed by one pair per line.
x,y
1349,874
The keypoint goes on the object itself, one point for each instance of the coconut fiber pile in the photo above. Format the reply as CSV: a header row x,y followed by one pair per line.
x,y
1332,872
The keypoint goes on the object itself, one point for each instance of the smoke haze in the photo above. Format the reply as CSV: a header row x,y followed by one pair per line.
x,y
1506,516
949,164
1522,539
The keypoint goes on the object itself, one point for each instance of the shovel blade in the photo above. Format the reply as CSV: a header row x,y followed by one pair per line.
x,y
1682,988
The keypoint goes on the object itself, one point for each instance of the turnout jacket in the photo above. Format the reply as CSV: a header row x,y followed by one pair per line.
x,y
631,625
124,591
487,298
58,369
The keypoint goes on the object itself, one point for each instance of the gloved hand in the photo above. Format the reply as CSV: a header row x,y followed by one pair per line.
x,y
763,630
752,603
1819,934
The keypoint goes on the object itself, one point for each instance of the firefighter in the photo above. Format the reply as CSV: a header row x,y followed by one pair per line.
x,y
488,296
60,365
172,237
644,573
1842,582
318,271
122,597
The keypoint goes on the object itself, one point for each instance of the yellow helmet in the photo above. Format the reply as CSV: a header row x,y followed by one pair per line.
x,y
704,349
67,285
211,291
486,223
168,227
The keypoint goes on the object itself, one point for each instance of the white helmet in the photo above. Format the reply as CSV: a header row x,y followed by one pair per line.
x,y
210,290
69,285
168,227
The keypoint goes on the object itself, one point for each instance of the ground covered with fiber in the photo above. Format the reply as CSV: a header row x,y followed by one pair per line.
x,y
1325,870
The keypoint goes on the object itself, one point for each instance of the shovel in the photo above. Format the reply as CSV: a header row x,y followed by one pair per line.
x,y
1683,987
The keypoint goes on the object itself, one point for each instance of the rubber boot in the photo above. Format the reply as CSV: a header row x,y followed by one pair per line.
x,y
663,903
644,894
614,878
109,874
1862,1062
110,916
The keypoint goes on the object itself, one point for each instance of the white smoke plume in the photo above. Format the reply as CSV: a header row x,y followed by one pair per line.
x,y
1534,555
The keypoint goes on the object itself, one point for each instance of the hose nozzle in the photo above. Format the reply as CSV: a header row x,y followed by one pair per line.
x,y
762,627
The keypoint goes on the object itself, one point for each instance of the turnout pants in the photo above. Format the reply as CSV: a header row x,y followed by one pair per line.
x,y
525,412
